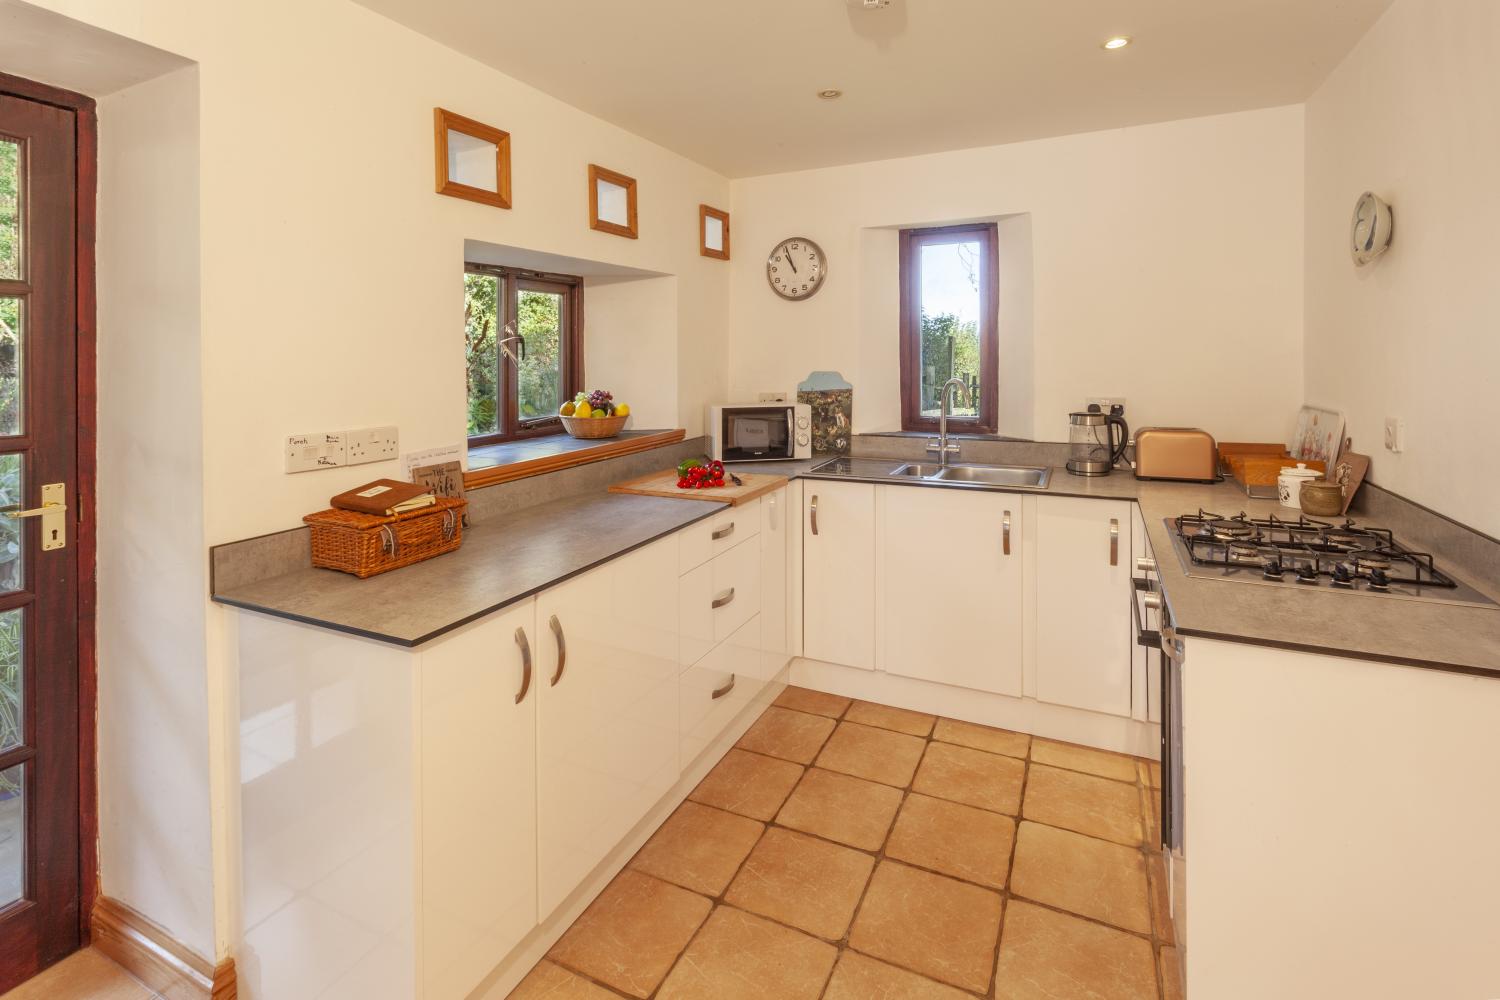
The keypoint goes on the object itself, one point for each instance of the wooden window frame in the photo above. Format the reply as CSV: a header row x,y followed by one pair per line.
x,y
912,240
442,121
631,230
706,212
512,281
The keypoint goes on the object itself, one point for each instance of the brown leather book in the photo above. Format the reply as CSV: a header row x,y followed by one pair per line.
x,y
384,497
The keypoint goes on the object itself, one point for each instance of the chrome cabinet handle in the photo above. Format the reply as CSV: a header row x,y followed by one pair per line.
x,y
1005,532
815,513
721,692
719,602
525,664
1114,541
723,532
562,648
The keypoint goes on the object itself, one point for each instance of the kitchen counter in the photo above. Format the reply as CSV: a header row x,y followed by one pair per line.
x,y
498,564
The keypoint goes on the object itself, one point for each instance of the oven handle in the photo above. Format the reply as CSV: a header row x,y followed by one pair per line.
x,y
1150,638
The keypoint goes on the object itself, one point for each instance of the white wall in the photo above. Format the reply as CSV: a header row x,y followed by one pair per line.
x,y
1413,115
1157,253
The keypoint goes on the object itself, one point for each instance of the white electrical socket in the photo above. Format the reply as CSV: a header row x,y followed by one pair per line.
x,y
372,444
772,397
309,452
1395,435
1105,402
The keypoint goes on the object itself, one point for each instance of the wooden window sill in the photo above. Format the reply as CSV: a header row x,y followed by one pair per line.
x,y
501,463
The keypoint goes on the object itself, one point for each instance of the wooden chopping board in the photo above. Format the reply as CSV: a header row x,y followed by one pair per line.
x,y
664,484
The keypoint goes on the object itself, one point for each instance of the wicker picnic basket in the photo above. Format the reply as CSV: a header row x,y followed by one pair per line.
x,y
365,545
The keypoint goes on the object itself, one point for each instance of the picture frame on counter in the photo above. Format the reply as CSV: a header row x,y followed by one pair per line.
x,y
713,232
472,159
612,202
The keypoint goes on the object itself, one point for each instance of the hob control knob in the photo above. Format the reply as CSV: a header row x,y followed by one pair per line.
x,y
1307,574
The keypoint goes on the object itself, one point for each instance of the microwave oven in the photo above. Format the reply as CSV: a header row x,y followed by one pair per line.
x,y
760,432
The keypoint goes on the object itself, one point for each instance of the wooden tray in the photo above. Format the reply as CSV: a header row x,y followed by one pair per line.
x,y
664,484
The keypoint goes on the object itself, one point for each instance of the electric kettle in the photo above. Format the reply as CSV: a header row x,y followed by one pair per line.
x,y
1096,440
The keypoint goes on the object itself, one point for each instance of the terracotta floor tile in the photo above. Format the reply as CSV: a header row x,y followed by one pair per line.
x,y
885,717
984,738
934,925
748,783
1110,810
699,848
813,702
972,777
958,840
1076,758
786,734
738,956
1171,975
858,977
84,975
802,881
1161,906
1082,874
1046,955
877,754
840,807
553,982
630,936
1149,798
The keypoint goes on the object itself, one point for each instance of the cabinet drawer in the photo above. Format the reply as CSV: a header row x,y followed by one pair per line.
x,y
733,671
698,543
715,599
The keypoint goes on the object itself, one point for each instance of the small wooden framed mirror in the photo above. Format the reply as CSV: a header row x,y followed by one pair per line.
x,y
612,202
713,232
473,159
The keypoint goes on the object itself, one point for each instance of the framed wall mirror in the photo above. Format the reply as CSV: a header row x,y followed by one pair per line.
x,y
713,232
473,159
612,206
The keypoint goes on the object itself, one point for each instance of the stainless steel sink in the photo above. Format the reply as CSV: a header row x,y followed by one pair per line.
x,y
917,470
1026,477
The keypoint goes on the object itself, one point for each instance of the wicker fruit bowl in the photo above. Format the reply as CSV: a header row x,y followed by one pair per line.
x,y
591,428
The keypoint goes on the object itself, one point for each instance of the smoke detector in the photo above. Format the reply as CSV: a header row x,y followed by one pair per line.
x,y
868,4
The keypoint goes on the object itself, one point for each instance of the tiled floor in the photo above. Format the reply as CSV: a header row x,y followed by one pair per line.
x,y
86,975
852,851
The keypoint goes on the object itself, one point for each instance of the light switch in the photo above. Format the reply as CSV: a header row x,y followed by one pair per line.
x,y
1395,435
310,452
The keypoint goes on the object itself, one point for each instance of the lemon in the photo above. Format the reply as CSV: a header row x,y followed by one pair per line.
x,y
583,410
567,409
600,414
623,410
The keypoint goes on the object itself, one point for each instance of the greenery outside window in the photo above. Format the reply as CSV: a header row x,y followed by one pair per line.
x,y
523,350
950,326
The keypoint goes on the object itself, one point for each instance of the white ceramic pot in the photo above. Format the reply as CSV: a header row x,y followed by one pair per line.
x,y
1289,484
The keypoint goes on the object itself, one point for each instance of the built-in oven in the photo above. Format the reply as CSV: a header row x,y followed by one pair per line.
x,y
1154,632
760,432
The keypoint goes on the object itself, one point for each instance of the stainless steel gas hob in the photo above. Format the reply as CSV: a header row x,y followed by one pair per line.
x,y
1342,556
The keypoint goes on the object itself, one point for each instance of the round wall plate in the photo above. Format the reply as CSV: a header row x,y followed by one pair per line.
x,y
1370,229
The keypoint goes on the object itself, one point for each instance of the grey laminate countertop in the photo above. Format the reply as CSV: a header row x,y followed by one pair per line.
x,y
498,564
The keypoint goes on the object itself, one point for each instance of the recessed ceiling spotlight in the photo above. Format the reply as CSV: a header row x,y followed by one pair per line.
x,y
830,94
1117,42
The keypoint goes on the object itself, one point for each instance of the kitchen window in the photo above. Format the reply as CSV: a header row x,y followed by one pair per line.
x,y
523,350
949,326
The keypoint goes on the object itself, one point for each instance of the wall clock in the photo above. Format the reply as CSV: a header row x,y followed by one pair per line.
x,y
1370,229
796,268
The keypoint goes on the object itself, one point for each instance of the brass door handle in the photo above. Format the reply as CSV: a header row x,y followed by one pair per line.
x,y
721,692
54,524
525,664
562,648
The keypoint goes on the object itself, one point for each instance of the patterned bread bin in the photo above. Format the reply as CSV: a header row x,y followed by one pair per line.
x,y
365,545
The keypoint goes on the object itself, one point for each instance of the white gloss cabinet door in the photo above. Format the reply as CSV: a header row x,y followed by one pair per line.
x,y
838,573
952,587
478,803
1083,592
607,727
774,534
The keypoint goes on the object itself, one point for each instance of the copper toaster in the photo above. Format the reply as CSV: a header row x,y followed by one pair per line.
x,y
1185,454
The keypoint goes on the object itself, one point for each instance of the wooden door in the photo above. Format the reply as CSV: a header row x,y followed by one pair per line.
x,y
40,858
838,573
952,597
1084,633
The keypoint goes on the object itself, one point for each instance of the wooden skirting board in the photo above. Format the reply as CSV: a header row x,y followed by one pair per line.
x,y
608,448
153,956
664,484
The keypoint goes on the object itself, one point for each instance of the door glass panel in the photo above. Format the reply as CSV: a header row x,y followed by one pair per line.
x,y
11,341
12,680
540,374
950,323
12,494
12,834
10,209
481,358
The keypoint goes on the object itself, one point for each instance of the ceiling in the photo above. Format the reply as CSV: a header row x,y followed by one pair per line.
x,y
734,85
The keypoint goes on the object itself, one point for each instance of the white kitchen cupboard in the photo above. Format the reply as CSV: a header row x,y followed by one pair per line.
x,y
1084,632
838,573
478,803
776,523
607,723
716,688
952,587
